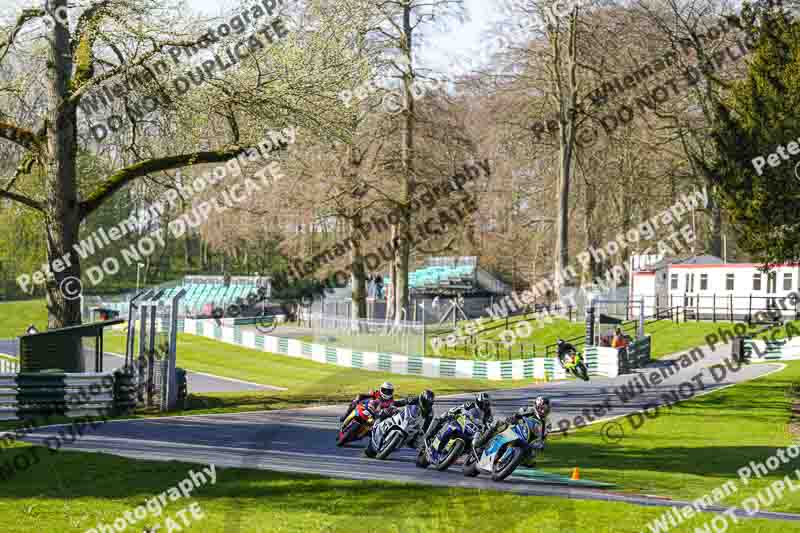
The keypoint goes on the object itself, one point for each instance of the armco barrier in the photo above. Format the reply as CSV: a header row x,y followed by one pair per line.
x,y
34,394
8,364
599,360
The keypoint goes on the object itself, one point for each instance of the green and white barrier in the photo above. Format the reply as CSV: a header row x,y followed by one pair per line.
x,y
777,350
599,360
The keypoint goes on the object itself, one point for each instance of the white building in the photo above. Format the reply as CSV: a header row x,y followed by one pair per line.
x,y
709,289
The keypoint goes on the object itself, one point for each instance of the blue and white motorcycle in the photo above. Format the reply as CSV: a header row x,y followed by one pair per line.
x,y
449,443
515,445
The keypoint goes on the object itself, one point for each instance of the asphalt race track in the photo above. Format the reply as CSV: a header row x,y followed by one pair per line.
x,y
302,440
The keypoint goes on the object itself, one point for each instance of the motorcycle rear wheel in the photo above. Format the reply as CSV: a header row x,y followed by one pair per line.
x,y
582,372
394,441
455,453
509,467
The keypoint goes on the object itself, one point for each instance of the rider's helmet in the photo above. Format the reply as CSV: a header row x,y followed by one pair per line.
x,y
387,391
541,406
482,401
426,401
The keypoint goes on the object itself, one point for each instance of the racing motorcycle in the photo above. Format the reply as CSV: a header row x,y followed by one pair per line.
x,y
403,427
448,444
573,363
516,445
357,424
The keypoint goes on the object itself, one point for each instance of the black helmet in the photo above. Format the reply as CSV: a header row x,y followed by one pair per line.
x,y
426,401
540,406
482,401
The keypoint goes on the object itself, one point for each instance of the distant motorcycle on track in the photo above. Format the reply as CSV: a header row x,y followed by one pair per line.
x,y
574,364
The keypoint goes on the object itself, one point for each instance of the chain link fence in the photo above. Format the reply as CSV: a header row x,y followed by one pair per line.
x,y
405,338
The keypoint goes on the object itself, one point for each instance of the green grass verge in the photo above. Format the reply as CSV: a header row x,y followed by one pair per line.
x,y
684,453
667,337
694,447
308,382
72,492
15,317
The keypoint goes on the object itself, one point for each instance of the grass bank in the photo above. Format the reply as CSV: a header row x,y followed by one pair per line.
x,y
72,492
694,447
308,382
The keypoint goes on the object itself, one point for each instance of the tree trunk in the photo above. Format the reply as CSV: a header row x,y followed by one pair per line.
x,y
62,211
567,91
359,280
187,253
403,229
562,235
588,227
714,227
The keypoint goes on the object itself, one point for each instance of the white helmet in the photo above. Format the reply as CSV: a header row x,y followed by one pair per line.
x,y
387,391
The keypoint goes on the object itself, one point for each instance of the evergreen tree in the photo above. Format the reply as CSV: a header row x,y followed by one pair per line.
x,y
758,116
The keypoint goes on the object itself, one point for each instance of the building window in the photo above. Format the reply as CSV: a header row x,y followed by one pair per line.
x,y
787,281
673,282
703,282
729,282
756,282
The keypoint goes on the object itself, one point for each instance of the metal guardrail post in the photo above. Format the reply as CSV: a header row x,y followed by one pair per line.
x,y
170,399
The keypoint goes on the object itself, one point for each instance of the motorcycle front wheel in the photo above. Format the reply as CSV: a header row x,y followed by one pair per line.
x,y
470,466
394,440
369,451
455,453
582,372
422,459
348,435
501,470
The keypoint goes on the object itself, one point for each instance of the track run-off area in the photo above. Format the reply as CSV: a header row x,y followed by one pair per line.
x,y
303,440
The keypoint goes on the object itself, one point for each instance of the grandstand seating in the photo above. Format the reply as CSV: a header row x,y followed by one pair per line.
x,y
441,277
203,294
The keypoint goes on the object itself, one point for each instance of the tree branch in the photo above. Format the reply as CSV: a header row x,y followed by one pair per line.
x,y
25,138
126,175
158,48
33,204
25,16
86,34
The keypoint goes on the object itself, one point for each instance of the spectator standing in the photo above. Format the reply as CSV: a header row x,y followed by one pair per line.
x,y
619,340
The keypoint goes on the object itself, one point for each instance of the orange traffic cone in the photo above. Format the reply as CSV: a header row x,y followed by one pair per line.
x,y
575,474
